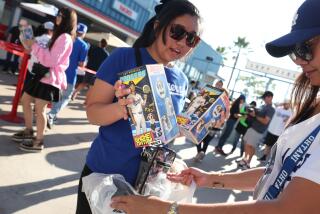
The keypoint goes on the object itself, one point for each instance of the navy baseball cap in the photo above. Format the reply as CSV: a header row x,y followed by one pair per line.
x,y
82,28
305,26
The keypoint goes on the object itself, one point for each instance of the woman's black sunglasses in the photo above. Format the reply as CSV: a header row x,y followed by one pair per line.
x,y
302,51
178,32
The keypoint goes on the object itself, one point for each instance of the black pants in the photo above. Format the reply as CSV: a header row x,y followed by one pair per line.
x,y
203,146
11,64
83,206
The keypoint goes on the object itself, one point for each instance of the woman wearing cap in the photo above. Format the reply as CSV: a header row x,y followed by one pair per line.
x,y
170,35
291,181
48,80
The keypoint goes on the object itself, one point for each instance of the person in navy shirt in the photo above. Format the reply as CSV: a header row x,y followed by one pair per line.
x,y
170,35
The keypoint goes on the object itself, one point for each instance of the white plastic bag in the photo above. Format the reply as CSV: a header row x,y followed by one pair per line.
x,y
163,188
180,192
99,188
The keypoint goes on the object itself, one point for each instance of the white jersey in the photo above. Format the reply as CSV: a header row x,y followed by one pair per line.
x,y
279,120
308,168
137,105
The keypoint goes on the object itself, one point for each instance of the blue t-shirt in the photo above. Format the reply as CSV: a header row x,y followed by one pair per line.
x,y
113,150
78,54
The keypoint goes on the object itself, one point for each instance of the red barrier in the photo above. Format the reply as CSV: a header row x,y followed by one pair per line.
x,y
17,50
87,70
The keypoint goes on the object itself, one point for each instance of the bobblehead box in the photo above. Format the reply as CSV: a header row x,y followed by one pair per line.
x,y
151,115
206,111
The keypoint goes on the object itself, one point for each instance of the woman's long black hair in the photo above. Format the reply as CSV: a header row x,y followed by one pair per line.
x,y
166,12
68,25
303,99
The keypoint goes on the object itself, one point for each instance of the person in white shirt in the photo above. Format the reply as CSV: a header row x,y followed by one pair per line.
x,y
276,127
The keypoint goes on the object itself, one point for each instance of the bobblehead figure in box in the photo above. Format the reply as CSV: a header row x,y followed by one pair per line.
x,y
207,110
152,116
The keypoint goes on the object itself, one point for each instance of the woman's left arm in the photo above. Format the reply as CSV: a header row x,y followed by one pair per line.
x,y
301,196
58,52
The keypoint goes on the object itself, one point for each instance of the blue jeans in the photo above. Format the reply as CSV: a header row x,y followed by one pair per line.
x,y
226,132
65,99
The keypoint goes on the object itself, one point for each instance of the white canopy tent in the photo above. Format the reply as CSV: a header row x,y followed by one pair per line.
x,y
41,9
112,40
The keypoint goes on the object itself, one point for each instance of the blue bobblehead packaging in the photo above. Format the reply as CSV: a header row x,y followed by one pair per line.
x,y
206,111
152,117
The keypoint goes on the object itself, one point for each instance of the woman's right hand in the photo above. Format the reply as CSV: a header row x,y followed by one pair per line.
x,y
121,92
200,177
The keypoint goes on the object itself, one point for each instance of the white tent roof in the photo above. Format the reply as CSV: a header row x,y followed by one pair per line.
x,y
111,39
41,9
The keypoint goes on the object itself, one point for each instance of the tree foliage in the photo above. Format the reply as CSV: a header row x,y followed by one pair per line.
x,y
251,82
223,51
241,42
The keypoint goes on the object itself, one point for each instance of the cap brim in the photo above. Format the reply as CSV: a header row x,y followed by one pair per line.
x,y
285,44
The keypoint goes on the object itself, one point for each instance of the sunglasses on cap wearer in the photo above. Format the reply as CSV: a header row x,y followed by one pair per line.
x,y
302,51
178,32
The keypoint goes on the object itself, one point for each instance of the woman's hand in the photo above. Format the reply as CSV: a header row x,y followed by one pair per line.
x,y
200,177
120,93
140,204
28,43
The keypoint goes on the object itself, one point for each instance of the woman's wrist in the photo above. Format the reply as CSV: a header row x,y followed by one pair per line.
x,y
217,180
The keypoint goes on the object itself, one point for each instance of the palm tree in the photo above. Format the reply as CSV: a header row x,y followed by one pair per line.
x,y
223,52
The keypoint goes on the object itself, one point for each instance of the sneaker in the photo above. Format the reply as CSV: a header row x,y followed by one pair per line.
x,y
263,158
24,135
32,146
243,164
220,151
199,157
49,122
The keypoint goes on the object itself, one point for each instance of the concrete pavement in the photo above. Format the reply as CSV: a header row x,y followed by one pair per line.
x,y
47,182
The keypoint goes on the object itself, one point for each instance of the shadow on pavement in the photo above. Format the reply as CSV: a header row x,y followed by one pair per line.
x,y
29,194
59,158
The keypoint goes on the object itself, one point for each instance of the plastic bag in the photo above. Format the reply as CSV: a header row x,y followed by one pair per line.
x,y
178,191
163,188
100,188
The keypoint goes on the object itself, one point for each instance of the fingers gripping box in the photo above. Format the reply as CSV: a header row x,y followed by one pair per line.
x,y
152,117
207,110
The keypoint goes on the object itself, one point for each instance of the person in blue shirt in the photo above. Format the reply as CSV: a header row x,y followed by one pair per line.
x,y
77,58
96,56
170,35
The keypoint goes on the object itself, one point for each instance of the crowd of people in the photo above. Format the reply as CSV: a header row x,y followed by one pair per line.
x,y
289,130
57,50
